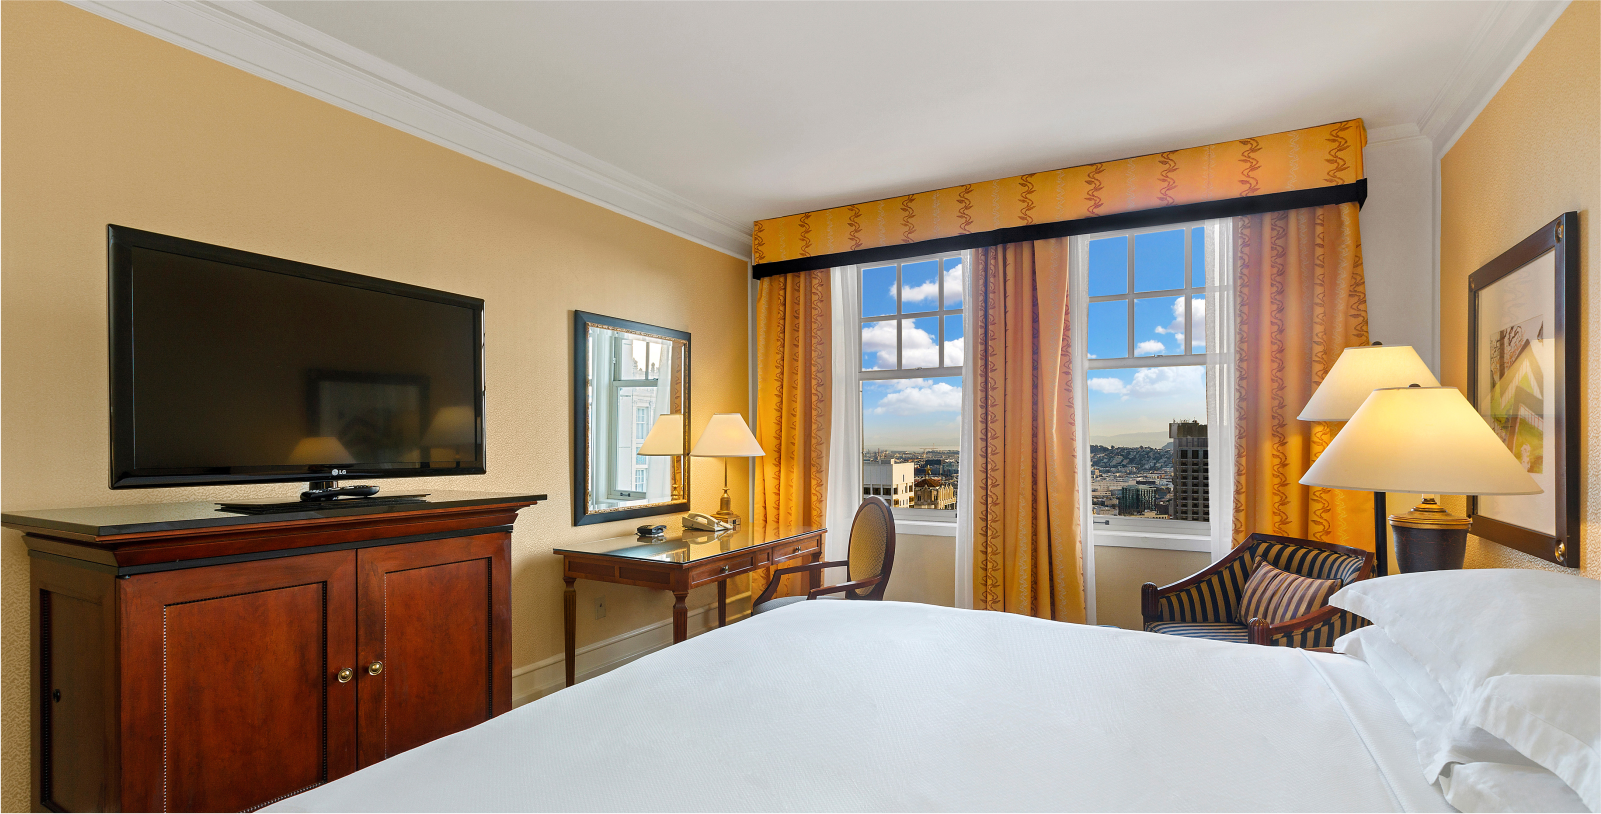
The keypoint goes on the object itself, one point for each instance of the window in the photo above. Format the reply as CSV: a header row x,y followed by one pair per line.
x,y
1145,372
641,429
911,382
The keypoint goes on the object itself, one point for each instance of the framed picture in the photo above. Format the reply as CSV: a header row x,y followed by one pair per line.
x,y
1523,377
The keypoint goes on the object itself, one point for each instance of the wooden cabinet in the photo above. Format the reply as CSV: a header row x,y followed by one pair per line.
x,y
161,685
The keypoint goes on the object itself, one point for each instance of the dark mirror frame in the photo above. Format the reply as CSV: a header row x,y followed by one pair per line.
x,y
582,515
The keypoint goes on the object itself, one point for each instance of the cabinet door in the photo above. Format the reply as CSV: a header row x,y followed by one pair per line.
x,y
436,616
230,695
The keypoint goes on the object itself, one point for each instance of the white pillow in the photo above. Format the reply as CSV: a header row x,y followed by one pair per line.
x,y
1442,738
1467,626
1485,787
1554,720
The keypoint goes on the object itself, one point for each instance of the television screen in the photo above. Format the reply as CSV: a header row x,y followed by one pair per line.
x,y
231,367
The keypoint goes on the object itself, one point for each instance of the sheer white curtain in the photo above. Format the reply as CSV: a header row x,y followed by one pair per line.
x,y
1220,385
964,466
845,414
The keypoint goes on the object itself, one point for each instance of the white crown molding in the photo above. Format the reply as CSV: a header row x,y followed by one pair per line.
x,y
255,39
1395,132
1509,31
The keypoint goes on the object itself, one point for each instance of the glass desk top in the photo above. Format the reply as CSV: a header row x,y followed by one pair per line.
x,y
685,545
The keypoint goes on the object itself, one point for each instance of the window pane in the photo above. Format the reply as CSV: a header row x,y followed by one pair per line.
x,y
918,343
1108,330
1146,459
1108,266
1198,323
1198,256
1159,261
1159,326
878,291
953,283
878,345
920,290
911,440
954,344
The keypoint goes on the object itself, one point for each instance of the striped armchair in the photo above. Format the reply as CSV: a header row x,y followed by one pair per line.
x,y
1205,605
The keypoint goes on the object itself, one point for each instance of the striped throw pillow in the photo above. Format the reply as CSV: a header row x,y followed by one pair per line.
x,y
1276,596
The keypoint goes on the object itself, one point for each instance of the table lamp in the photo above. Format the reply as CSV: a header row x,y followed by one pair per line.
x,y
452,428
1427,440
1356,374
727,436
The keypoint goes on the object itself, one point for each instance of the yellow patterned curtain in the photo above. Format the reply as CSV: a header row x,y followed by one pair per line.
x,y
794,387
1027,553
1300,301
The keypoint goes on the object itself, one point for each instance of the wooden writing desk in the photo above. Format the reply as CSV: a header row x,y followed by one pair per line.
x,y
685,559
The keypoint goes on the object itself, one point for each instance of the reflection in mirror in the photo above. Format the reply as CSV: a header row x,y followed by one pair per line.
x,y
635,377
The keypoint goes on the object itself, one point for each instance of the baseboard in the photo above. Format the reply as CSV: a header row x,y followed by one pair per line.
x,y
534,681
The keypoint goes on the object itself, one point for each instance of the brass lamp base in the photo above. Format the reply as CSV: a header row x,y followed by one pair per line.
x,y
1429,538
725,509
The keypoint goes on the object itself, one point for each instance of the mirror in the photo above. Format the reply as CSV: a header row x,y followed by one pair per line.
x,y
628,378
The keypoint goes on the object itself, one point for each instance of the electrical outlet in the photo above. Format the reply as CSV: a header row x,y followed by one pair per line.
x,y
600,608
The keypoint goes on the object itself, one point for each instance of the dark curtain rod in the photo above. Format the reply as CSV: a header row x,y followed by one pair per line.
x,y
1355,192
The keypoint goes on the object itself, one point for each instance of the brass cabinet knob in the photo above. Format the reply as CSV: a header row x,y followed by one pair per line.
x,y
345,675
375,668
725,569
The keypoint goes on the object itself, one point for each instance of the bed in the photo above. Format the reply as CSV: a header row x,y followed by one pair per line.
x,y
885,706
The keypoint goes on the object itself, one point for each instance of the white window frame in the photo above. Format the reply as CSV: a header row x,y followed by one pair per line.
x,y
934,522
1136,532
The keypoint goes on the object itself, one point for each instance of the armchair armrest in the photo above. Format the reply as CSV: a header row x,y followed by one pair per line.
x,y
844,586
1316,629
772,583
1210,595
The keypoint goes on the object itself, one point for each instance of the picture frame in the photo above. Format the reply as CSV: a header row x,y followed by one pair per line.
x,y
1523,378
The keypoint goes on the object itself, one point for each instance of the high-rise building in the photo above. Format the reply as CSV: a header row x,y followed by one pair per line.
x,y
1191,484
1135,500
891,481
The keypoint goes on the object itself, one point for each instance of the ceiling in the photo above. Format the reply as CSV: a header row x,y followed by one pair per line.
x,y
734,112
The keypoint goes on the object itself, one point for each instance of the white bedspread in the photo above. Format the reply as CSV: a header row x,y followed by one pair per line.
x,y
885,706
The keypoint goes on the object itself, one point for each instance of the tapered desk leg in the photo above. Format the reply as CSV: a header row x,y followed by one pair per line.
x,y
571,613
722,603
680,616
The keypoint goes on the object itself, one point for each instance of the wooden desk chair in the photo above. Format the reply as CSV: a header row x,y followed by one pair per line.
x,y
867,563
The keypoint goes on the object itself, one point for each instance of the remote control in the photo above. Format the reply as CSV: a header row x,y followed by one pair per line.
x,y
339,491
651,531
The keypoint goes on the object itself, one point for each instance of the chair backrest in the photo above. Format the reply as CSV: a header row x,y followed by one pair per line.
x,y
1310,558
872,548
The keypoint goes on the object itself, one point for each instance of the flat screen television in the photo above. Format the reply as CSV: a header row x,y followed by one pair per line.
x,y
232,367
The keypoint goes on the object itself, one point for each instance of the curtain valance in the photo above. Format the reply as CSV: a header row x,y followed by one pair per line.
x,y
1315,166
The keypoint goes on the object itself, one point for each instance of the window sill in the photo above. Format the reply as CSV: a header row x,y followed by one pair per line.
x,y
1150,539
926,528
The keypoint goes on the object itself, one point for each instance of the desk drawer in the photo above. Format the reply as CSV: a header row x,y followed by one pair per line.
x,y
727,568
795,549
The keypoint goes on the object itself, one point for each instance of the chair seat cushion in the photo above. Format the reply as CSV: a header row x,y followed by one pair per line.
x,y
1217,631
1276,596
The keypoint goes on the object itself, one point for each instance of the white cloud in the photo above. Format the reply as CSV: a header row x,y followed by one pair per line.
x,y
1150,347
918,349
929,292
954,350
937,397
1154,383
1176,327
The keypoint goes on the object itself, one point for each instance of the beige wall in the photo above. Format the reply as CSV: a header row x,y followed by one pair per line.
x,y
102,125
1532,154
1119,573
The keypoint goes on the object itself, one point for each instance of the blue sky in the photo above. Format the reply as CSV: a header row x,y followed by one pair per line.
x,y
1138,401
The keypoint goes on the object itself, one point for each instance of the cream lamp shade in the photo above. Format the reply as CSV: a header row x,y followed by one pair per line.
x,y
726,436
452,427
666,437
322,449
1358,372
1427,440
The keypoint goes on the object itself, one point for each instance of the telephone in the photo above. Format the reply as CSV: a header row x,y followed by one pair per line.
x,y
705,522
